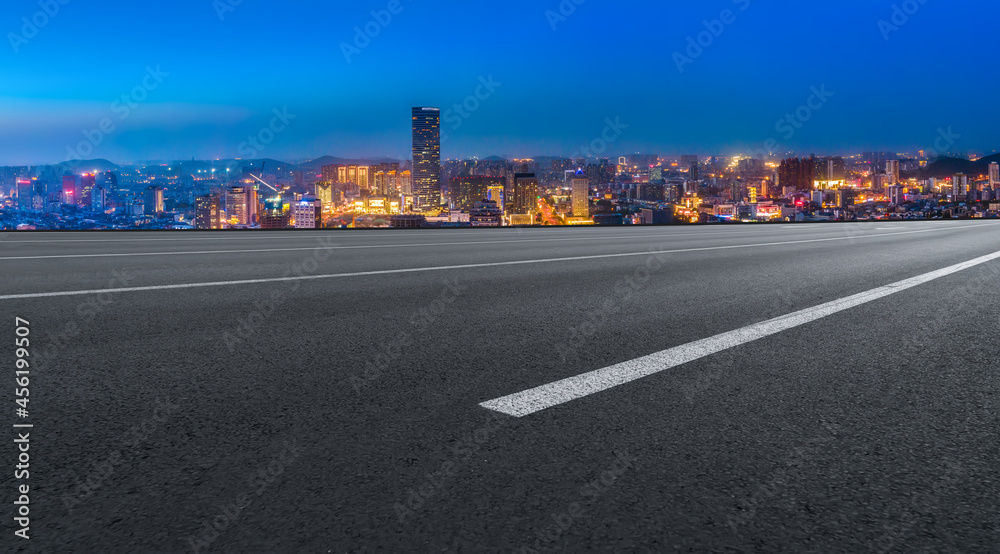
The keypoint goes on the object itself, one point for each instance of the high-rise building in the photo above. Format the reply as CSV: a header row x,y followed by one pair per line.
x,y
687,161
206,210
98,199
994,175
308,213
466,191
581,194
275,216
236,206
154,201
960,184
324,191
25,194
892,170
524,197
71,190
426,159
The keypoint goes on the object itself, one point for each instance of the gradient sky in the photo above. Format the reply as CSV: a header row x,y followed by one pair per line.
x,y
557,87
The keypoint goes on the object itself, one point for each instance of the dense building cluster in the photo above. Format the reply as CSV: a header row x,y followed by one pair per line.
x,y
634,188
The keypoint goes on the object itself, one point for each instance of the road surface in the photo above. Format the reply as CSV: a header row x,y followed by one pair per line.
x,y
780,388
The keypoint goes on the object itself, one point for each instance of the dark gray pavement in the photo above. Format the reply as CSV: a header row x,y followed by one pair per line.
x,y
875,429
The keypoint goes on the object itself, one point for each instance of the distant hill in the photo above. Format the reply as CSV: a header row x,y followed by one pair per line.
x,y
316,165
87,165
942,168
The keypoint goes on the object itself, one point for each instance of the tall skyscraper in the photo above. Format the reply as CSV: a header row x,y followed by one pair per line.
x,y
581,194
994,175
206,210
525,194
892,170
154,201
236,206
426,159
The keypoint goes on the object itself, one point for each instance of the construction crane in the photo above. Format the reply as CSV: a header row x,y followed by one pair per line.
x,y
261,180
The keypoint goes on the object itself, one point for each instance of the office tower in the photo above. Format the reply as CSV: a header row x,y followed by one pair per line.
x,y
154,200
25,194
581,194
308,213
994,175
960,184
524,197
330,173
324,191
426,159
496,194
895,194
98,199
236,206
87,182
206,212
466,191
71,189
892,170
275,216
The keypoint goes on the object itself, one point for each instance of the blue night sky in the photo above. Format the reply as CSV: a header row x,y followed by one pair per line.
x,y
556,87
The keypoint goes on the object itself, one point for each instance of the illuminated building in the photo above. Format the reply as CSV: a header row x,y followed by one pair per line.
x,y
87,182
206,212
426,159
236,206
385,179
895,194
688,161
960,185
406,182
521,219
275,216
466,191
496,194
308,213
486,213
324,191
25,194
330,173
525,194
994,175
71,189
581,194
892,171
98,199
154,200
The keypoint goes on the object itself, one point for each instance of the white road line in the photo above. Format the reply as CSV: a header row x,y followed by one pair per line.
x,y
553,394
444,268
357,247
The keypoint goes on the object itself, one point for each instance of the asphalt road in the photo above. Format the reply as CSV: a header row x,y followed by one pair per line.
x,y
320,392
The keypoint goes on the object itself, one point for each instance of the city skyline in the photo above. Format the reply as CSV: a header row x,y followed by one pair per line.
x,y
167,100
